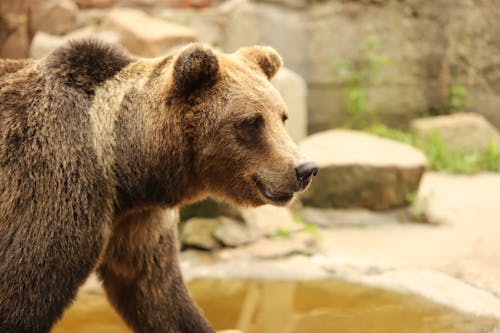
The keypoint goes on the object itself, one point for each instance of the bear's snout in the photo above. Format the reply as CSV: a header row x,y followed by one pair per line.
x,y
304,173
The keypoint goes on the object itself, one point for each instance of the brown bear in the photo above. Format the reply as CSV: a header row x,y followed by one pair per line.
x,y
95,143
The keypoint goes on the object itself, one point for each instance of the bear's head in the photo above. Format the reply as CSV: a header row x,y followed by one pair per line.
x,y
234,120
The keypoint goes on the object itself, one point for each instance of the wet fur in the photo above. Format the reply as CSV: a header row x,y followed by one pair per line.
x,y
94,145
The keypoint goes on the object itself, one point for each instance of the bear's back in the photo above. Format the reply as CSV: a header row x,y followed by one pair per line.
x,y
10,66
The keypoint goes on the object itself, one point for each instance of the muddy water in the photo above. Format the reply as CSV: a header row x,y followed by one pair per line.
x,y
294,307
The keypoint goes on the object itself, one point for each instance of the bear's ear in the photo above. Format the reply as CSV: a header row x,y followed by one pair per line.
x,y
265,57
195,67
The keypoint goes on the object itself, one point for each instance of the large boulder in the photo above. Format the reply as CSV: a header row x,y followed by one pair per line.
x,y
199,233
56,17
234,233
362,170
293,89
15,34
148,36
458,132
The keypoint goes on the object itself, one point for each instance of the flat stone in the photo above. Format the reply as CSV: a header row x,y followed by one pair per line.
x,y
198,232
148,36
297,244
96,3
293,89
460,131
234,233
362,170
439,287
268,219
350,218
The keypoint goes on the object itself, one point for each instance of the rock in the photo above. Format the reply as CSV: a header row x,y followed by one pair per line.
x,y
56,17
293,89
91,286
297,244
145,35
268,219
92,17
210,208
15,36
198,232
460,131
204,22
96,3
234,233
354,218
438,287
44,43
362,170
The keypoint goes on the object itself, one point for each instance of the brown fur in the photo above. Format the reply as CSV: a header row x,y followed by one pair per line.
x,y
94,144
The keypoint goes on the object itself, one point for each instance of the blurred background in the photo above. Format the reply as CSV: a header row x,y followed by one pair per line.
x,y
398,101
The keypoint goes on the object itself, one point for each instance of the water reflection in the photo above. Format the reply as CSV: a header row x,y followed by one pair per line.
x,y
295,307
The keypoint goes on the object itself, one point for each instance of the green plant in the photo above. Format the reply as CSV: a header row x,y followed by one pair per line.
x,y
96,24
457,98
455,101
307,227
358,75
286,233
186,19
411,197
279,233
491,158
439,158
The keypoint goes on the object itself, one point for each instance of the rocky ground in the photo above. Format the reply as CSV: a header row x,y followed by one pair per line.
x,y
453,261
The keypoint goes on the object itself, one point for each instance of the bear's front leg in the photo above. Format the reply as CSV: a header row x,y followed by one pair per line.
x,y
141,276
42,264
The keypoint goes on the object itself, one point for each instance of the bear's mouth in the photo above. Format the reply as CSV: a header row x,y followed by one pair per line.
x,y
280,197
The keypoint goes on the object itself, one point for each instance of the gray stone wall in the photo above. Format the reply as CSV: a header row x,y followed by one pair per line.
x,y
432,45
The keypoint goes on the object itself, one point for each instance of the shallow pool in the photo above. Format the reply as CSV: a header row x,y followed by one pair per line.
x,y
295,307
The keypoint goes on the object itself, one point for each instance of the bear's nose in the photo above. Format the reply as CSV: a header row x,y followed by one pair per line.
x,y
305,172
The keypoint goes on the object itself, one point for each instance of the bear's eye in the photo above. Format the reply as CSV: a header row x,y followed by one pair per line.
x,y
250,129
284,118
254,123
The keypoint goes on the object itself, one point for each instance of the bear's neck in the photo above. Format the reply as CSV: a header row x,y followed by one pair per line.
x,y
152,162
153,166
